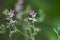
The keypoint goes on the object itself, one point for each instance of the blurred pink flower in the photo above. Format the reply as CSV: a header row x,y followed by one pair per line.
x,y
20,1
32,13
11,13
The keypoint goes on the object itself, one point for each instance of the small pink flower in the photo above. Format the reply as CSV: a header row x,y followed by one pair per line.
x,y
11,13
20,1
32,13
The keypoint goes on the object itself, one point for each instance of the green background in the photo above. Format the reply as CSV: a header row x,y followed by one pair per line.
x,y
51,10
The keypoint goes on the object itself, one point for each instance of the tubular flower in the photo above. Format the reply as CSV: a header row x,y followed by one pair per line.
x,y
11,13
32,13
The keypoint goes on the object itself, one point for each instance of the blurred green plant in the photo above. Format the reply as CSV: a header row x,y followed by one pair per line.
x,y
5,12
31,29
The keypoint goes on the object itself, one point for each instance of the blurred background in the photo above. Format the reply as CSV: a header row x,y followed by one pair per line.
x,y
48,13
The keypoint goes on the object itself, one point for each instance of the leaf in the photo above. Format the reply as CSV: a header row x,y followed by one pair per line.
x,y
5,12
2,28
42,15
27,9
28,28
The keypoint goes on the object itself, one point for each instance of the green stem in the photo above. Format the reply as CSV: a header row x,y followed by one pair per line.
x,y
9,29
23,33
33,38
31,33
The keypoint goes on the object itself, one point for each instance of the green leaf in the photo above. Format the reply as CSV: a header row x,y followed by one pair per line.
x,y
2,28
27,9
5,12
42,15
28,28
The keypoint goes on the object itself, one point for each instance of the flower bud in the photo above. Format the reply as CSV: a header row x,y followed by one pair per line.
x,y
11,13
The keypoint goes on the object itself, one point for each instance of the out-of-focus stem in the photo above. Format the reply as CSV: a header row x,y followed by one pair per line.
x,y
10,30
33,31
23,33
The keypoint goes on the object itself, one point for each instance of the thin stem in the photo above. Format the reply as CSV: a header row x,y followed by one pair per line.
x,y
22,33
10,30
33,31
30,31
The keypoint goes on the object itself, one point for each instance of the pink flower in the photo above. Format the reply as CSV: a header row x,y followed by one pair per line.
x,y
20,1
32,13
11,13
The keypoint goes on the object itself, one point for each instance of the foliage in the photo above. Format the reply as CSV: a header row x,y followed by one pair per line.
x,y
48,16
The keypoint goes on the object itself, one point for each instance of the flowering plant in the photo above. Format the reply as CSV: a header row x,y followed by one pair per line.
x,y
28,22
31,29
